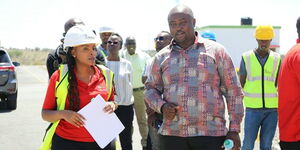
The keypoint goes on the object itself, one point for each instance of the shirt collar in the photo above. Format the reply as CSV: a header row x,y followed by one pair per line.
x,y
127,53
198,41
298,40
257,54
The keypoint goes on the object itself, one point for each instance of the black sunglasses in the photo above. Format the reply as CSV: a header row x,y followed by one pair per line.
x,y
111,42
160,38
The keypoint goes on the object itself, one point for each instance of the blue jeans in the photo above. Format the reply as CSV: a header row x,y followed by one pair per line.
x,y
266,120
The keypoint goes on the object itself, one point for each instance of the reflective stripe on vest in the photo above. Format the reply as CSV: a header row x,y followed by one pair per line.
x,y
259,89
103,54
61,95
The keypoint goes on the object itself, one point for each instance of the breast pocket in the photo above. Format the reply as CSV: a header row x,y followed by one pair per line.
x,y
206,68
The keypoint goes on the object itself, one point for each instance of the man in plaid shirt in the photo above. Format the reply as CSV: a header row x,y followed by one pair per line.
x,y
187,83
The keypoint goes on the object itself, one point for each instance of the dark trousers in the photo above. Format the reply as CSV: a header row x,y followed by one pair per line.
x,y
59,143
289,145
125,114
191,143
149,142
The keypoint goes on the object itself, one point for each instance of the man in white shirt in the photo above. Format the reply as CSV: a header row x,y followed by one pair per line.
x,y
138,60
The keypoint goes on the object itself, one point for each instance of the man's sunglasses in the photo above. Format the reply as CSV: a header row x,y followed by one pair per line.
x,y
111,42
160,38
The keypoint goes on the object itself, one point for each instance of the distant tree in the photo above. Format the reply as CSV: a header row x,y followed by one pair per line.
x,y
37,49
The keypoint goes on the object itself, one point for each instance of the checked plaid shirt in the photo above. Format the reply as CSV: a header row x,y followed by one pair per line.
x,y
199,80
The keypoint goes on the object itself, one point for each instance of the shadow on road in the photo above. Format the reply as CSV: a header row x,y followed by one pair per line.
x,y
3,108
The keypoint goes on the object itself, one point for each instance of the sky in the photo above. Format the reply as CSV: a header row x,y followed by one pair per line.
x,y
40,23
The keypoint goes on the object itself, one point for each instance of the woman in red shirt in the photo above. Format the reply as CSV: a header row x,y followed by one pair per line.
x,y
85,81
289,98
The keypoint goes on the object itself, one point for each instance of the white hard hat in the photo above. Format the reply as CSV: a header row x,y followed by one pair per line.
x,y
79,35
105,29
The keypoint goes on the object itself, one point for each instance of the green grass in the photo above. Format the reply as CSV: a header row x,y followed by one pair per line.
x,y
29,57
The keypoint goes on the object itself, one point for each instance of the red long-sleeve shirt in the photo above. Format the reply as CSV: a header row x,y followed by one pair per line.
x,y
289,96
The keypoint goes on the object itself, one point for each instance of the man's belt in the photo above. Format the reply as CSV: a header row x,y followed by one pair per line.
x,y
138,89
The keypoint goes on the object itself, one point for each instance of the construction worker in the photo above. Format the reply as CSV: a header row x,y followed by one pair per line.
x,y
289,98
105,33
258,77
71,88
58,56
209,35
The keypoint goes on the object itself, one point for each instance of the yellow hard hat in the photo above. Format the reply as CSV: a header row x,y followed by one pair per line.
x,y
264,33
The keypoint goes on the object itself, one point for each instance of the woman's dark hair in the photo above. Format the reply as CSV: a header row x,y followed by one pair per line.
x,y
73,93
298,27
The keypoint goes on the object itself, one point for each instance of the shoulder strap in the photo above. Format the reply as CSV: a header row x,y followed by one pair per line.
x,y
109,76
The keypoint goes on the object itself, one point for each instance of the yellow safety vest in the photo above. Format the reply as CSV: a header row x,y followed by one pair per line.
x,y
61,95
259,89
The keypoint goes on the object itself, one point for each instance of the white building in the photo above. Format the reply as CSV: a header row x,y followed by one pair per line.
x,y
238,39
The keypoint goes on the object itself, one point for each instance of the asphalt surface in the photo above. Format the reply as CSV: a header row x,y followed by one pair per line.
x,y
23,128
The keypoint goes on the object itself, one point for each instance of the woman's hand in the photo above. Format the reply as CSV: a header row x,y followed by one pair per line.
x,y
110,107
73,117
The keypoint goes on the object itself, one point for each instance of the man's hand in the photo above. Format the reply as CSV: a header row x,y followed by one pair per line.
x,y
169,110
151,120
236,139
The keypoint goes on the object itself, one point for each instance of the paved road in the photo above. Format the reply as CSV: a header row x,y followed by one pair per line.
x,y
23,128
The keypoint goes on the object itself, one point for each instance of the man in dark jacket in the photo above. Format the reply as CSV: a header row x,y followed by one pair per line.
x,y
57,57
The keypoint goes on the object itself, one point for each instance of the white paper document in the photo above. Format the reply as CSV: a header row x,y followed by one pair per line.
x,y
102,126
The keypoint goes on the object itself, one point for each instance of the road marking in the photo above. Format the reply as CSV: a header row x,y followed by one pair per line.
x,y
36,76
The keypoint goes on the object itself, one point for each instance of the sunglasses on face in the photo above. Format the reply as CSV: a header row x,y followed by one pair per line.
x,y
159,38
130,43
111,42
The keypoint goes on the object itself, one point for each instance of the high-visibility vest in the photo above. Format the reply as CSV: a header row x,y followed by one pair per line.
x,y
259,89
61,95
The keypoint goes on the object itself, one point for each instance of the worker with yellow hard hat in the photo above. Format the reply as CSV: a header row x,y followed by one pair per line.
x,y
258,76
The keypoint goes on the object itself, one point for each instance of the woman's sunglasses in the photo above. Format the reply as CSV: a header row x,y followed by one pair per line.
x,y
111,42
